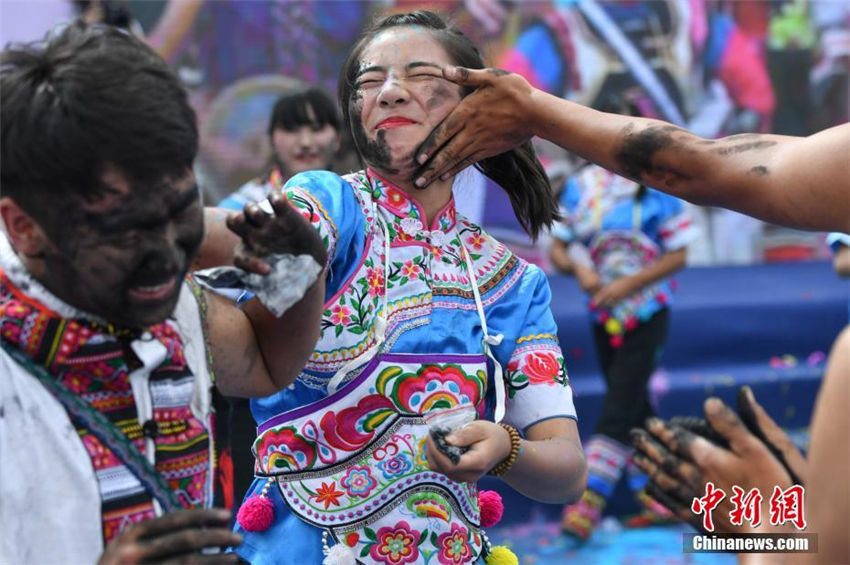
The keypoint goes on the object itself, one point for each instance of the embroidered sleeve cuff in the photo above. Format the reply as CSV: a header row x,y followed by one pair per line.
x,y
538,387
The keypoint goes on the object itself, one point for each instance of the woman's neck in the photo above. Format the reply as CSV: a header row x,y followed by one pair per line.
x,y
432,199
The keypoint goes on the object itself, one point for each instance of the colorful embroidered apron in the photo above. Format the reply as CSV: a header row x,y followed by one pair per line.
x,y
353,463
618,253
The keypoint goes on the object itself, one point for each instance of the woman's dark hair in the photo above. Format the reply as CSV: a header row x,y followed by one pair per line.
x,y
517,171
291,111
83,98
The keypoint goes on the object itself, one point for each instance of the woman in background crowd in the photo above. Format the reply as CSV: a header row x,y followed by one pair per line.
x,y
304,133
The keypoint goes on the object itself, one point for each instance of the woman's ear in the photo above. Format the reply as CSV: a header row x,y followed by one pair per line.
x,y
25,234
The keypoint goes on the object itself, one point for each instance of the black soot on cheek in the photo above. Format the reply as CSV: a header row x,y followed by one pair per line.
x,y
374,152
437,97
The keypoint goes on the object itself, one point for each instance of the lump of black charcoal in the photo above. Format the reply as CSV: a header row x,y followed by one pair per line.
x,y
453,452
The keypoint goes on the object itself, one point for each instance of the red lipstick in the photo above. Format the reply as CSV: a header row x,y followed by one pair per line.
x,y
394,122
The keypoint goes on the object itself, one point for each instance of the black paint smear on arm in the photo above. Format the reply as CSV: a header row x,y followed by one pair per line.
x,y
752,146
638,149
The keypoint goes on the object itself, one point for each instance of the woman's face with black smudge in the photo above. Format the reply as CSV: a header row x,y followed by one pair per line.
x,y
399,97
123,255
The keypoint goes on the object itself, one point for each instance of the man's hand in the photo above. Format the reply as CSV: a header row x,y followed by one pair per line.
x,y
497,117
174,538
488,445
762,425
285,231
680,463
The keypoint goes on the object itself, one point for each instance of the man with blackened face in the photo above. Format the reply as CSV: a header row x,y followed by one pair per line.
x,y
108,350
122,253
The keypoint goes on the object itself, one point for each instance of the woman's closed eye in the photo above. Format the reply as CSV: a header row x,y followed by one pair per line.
x,y
369,82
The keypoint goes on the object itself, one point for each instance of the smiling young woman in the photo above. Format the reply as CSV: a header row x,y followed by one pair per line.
x,y
424,312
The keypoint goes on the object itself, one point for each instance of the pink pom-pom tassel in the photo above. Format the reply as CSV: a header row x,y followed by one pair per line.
x,y
256,514
492,508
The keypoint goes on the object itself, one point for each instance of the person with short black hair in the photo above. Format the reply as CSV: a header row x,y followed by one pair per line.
x,y
108,355
304,134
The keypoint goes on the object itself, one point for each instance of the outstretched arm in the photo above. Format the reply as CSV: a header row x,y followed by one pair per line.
x,y
800,182
255,353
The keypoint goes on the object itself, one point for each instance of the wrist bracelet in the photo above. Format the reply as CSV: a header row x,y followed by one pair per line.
x,y
508,461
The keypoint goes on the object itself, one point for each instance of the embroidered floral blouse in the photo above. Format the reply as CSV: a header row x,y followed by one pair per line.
x,y
431,307
432,310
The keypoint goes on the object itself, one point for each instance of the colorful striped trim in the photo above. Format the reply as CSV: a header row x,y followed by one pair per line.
x,y
99,426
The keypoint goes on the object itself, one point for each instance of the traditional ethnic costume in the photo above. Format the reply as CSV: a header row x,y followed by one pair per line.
x,y
418,318
624,231
99,428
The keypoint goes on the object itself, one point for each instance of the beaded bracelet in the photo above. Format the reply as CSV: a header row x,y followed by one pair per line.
x,y
508,461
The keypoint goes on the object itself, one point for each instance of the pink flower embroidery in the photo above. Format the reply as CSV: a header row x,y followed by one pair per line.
x,y
410,270
542,367
396,544
376,281
476,240
454,547
358,481
341,315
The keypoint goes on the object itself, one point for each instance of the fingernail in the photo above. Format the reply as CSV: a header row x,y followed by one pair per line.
x,y
749,392
451,438
444,176
420,182
223,514
636,434
653,423
422,158
713,405
451,72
